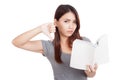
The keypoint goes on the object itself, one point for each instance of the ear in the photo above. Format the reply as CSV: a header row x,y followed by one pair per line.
x,y
55,22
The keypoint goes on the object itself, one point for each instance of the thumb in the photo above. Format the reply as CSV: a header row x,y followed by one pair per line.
x,y
50,37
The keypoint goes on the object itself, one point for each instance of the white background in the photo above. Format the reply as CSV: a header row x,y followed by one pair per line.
x,y
17,16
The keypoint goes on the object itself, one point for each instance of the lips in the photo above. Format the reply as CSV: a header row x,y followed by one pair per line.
x,y
70,31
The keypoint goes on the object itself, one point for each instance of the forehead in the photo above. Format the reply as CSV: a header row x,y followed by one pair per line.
x,y
68,15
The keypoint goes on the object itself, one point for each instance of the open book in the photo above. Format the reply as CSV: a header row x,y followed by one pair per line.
x,y
86,53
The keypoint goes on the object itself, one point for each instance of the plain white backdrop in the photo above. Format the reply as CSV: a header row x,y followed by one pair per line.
x,y
97,17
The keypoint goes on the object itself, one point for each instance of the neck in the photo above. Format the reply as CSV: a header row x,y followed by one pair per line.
x,y
63,40
64,45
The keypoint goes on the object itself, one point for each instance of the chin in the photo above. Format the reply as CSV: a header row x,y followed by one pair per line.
x,y
69,35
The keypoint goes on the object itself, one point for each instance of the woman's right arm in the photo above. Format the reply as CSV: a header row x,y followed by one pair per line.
x,y
23,41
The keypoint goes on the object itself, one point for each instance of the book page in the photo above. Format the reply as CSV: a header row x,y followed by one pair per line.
x,y
86,53
101,51
82,54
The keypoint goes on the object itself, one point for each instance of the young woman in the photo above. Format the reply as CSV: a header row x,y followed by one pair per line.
x,y
58,50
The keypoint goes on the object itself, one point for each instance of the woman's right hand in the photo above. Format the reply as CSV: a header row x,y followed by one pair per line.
x,y
48,28
24,40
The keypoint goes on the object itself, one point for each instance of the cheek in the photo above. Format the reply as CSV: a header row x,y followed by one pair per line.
x,y
62,27
74,28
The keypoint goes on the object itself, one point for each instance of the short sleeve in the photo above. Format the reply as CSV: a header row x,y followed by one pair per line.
x,y
47,47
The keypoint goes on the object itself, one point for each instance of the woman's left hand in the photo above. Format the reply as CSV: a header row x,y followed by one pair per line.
x,y
91,70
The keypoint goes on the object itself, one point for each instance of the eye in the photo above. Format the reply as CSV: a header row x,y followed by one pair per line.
x,y
65,21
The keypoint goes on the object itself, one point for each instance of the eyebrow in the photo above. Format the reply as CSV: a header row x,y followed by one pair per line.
x,y
70,19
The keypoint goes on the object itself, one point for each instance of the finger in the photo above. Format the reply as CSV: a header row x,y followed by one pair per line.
x,y
51,38
51,25
88,69
52,29
95,66
92,68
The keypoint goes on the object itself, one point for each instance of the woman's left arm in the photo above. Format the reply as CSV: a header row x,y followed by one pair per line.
x,y
91,70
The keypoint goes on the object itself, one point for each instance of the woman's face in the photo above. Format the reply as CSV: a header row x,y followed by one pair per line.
x,y
66,24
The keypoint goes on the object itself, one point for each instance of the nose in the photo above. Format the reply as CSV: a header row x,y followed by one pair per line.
x,y
71,25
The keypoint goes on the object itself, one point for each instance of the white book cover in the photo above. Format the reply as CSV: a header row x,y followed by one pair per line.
x,y
86,53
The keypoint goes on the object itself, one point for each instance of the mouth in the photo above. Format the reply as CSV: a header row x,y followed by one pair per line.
x,y
70,32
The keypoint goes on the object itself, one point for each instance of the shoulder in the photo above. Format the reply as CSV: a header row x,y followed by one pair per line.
x,y
48,47
47,44
86,39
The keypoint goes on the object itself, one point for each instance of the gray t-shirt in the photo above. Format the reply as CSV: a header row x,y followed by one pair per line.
x,y
62,71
